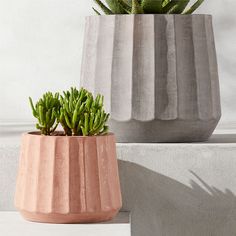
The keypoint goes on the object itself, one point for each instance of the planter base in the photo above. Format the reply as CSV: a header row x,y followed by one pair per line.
x,y
163,131
69,218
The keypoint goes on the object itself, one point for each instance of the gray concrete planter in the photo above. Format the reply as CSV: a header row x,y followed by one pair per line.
x,y
158,74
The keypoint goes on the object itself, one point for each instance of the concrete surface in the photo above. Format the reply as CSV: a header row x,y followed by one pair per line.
x,y
158,74
180,189
171,189
12,224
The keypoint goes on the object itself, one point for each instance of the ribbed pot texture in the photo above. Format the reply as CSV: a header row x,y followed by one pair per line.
x,y
68,179
158,74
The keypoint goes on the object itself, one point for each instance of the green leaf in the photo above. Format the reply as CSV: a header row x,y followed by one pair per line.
x,y
41,115
67,120
105,9
194,7
169,6
91,119
66,105
88,103
97,12
115,6
165,2
136,7
35,114
54,128
86,123
52,121
179,7
105,130
125,6
107,117
48,117
97,119
81,109
74,118
151,6
83,131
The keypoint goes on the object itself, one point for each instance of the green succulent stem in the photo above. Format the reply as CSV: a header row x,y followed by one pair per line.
x,y
77,111
45,112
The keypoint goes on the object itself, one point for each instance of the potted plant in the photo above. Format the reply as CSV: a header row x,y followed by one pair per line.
x,y
155,63
68,176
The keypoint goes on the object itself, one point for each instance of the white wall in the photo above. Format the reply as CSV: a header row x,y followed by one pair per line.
x,y
41,46
40,50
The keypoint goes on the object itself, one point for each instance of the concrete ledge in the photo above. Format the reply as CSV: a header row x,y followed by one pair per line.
x,y
171,189
214,160
180,189
12,224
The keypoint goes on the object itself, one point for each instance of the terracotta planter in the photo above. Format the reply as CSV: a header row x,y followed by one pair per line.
x,y
158,74
68,179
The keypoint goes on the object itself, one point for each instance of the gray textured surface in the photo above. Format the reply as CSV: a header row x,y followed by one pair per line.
x,y
179,189
156,72
171,189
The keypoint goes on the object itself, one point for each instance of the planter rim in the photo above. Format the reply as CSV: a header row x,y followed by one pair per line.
x,y
178,15
37,134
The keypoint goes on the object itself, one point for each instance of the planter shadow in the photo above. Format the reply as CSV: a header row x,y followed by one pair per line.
x,y
162,206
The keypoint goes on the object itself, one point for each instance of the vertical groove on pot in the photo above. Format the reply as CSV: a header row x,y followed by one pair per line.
x,y
82,175
74,177
104,55
143,104
186,73
165,69
201,60
216,109
91,174
113,173
61,177
103,168
33,172
22,177
45,179
121,99
89,58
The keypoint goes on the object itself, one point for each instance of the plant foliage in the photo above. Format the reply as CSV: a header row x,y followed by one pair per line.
x,y
78,112
110,7
44,111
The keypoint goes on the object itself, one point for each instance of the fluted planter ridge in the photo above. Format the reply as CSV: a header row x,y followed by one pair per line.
x,y
158,74
66,179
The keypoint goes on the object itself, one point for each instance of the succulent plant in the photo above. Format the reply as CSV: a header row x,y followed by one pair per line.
x,y
147,6
44,111
78,112
81,114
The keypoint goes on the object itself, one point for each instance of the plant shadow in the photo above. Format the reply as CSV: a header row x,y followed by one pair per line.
x,y
161,206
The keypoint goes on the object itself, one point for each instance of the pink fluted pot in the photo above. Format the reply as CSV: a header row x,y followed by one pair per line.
x,y
65,179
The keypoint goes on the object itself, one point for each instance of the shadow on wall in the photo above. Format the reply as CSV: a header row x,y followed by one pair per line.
x,y
161,206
